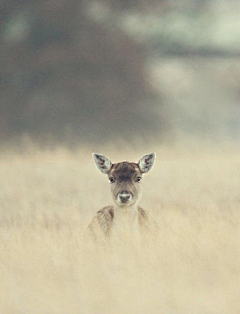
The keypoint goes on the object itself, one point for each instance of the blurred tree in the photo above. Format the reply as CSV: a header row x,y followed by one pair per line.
x,y
67,77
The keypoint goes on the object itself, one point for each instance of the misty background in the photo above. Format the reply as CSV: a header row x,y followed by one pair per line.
x,y
73,71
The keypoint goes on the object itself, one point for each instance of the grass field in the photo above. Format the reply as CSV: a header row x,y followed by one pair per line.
x,y
48,197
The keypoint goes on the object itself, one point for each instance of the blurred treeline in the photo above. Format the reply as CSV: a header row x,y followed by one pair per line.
x,y
74,71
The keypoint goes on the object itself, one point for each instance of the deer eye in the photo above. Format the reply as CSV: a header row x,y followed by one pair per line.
x,y
138,179
111,180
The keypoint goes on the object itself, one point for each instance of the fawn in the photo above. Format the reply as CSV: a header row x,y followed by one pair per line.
x,y
125,217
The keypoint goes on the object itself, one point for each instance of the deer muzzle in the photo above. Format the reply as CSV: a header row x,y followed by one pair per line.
x,y
124,197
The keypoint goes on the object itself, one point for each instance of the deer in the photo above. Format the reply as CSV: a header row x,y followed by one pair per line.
x,y
124,219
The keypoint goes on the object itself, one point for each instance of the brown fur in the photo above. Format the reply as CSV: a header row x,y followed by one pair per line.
x,y
101,225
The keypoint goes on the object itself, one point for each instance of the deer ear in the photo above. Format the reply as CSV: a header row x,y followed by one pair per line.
x,y
103,163
146,162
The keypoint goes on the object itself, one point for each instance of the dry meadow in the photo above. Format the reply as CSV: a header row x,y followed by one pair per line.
x,y
47,199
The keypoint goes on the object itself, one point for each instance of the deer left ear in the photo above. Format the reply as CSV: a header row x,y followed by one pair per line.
x,y
103,163
146,162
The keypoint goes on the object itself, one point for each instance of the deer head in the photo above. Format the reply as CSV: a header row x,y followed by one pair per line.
x,y
125,177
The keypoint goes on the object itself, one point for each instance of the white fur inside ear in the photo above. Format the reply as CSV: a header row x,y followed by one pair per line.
x,y
103,163
146,162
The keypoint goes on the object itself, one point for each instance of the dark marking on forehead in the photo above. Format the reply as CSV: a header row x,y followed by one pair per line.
x,y
125,170
125,167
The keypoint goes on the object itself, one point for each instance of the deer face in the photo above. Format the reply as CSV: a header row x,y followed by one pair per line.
x,y
125,177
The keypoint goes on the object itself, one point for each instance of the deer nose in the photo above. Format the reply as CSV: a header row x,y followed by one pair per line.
x,y
125,196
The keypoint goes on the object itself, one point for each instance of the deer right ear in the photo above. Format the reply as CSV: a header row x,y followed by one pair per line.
x,y
146,162
103,163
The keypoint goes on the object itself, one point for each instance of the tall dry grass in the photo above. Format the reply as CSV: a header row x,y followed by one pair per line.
x,y
47,199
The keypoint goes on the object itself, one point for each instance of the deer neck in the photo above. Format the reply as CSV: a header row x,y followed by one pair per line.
x,y
126,218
